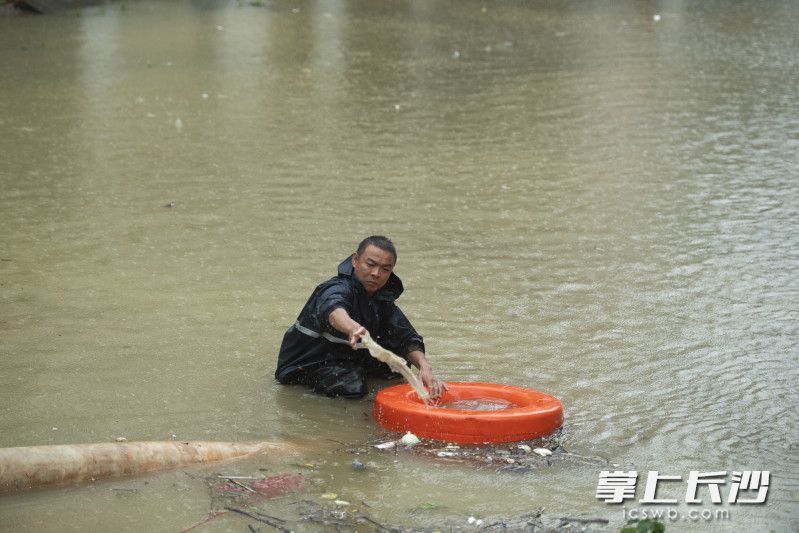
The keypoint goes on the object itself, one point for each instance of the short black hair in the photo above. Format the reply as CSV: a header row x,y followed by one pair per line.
x,y
384,243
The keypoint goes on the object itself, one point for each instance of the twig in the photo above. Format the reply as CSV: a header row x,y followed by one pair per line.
x,y
231,478
584,520
258,518
211,516
270,517
378,524
251,528
242,485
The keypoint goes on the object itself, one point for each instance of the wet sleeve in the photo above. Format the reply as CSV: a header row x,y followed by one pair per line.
x,y
328,298
400,333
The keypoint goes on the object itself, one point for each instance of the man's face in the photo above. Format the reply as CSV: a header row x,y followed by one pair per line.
x,y
373,267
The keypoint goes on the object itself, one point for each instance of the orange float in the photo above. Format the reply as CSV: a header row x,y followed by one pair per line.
x,y
526,414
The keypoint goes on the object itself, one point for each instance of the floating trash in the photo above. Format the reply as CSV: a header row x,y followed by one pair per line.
x,y
386,445
246,489
543,452
410,440
474,521
279,484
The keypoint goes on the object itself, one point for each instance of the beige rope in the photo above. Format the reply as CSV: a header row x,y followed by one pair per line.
x,y
397,364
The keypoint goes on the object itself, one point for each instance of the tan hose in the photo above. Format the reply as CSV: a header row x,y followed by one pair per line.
x,y
32,466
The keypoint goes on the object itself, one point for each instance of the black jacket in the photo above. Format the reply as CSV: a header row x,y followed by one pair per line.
x,y
306,343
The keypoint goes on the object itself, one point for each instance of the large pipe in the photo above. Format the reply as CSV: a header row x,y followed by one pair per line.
x,y
33,466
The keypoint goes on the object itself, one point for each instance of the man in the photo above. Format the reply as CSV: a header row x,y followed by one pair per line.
x,y
321,349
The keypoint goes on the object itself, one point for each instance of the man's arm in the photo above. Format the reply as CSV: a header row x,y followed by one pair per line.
x,y
343,322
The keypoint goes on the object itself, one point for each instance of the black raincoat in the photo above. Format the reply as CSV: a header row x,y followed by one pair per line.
x,y
311,342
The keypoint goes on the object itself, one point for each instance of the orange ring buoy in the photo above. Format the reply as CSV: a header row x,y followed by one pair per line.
x,y
532,413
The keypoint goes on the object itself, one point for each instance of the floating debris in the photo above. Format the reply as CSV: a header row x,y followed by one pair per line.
x,y
514,469
247,489
474,521
357,465
410,440
386,445
278,484
525,448
337,514
543,452
178,123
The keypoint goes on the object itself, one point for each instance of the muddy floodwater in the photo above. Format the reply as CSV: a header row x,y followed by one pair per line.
x,y
598,200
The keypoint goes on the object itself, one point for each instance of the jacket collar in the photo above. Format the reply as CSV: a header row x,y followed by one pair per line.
x,y
390,291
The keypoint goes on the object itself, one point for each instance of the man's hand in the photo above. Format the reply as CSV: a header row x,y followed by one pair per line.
x,y
426,376
432,383
356,335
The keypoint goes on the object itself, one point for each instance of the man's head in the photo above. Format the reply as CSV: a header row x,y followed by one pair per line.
x,y
373,262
